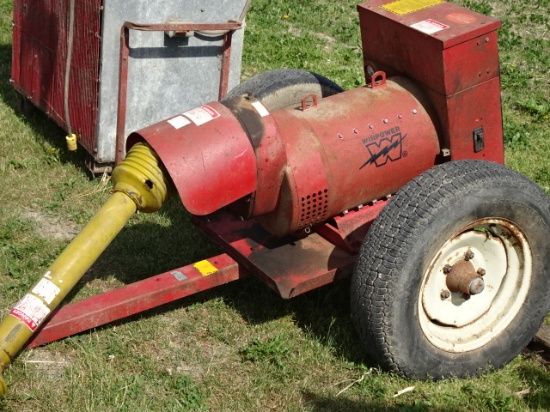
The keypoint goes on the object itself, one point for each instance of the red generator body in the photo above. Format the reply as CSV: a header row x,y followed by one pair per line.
x,y
452,53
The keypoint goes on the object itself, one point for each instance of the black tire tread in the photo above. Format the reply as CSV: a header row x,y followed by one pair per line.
x,y
266,84
394,233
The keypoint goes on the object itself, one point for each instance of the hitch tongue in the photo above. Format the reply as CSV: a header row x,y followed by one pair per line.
x,y
139,184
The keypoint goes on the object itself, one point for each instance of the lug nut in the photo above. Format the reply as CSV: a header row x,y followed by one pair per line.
x,y
469,255
481,272
447,269
445,294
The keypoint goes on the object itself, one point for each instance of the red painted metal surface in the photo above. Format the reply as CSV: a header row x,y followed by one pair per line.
x,y
207,154
447,60
270,156
452,52
120,143
350,149
136,298
39,47
224,69
348,230
463,112
289,265
354,147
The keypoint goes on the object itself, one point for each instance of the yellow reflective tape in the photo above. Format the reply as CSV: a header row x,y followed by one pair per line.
x,y
402,7
205,267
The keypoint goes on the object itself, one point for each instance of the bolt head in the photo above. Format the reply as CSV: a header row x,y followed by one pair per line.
x,y
469,255
447,269
445,294
481,272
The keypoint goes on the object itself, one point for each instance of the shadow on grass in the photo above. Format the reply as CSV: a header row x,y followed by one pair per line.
x,y
43,128
538,379
144,249
321,403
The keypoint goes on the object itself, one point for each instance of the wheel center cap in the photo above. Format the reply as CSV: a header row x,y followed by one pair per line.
x,y
463,278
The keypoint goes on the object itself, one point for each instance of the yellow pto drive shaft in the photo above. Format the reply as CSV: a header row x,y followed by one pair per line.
x,y
139,184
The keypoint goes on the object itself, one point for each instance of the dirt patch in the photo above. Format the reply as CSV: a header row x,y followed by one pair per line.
x,y
325,37
51,227
51,364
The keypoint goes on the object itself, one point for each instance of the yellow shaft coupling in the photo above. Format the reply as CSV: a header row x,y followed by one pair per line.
x,y
139,184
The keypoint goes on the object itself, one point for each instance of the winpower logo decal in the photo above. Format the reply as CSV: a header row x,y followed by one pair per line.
x,y
384,147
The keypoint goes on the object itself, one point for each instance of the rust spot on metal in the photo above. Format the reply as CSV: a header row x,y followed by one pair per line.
x,y
309,101
249,118
463,278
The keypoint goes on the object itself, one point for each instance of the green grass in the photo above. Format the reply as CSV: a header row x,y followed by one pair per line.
x,y
239,347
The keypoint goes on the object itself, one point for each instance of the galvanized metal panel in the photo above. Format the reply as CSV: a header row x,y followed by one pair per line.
x,y
166,75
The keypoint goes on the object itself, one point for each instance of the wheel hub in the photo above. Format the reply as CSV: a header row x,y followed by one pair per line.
x,y
475,285
463,278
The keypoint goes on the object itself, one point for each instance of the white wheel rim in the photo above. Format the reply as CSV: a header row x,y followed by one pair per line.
x,y
456,324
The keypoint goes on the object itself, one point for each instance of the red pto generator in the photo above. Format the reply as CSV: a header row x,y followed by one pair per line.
x,y
398,183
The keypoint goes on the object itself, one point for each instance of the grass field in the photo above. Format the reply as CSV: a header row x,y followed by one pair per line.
x,y
239,347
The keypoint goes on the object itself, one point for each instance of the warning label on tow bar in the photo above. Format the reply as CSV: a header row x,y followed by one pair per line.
x,y
31,311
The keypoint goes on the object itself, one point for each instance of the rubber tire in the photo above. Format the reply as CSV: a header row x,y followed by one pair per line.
x,y
285,88
404,239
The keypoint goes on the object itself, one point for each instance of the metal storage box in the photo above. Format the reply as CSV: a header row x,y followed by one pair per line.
x,y
165,74
453,53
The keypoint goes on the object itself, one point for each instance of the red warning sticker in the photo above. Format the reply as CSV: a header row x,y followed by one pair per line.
x,y
24,318
30,310
201,115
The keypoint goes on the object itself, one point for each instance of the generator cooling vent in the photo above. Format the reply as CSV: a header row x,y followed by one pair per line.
x,y
314,208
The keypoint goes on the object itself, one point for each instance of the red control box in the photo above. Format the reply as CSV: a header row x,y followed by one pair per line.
x,y
453,53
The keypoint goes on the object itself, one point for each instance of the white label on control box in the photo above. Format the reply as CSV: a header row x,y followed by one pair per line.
x,y
429,26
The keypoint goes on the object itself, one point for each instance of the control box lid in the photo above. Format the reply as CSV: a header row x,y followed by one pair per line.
x,y
445,22
445,47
